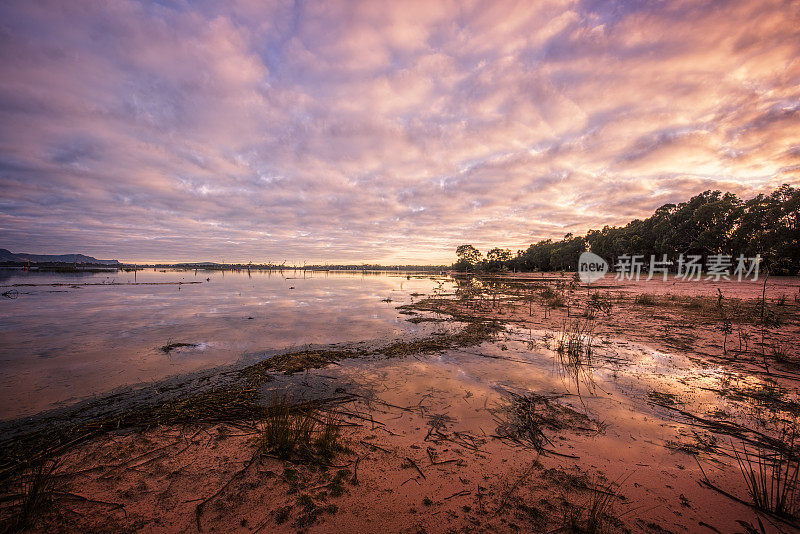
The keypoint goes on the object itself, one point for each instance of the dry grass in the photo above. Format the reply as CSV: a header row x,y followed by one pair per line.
x,y
645,299
31,496
596,516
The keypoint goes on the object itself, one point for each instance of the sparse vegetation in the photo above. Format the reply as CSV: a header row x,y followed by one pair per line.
x,y
525,418
552,298
601,303
644,299
772,478
32,495
596,516
306,438
290,432
169,347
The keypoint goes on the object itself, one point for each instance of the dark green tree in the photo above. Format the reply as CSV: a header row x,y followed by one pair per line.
x,y
468,258
497,259
706,224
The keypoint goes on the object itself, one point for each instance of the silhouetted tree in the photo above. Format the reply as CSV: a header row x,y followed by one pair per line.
x,y
497,259
468,258
708,223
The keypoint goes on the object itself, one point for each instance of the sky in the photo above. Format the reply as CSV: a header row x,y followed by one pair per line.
x,y
381,132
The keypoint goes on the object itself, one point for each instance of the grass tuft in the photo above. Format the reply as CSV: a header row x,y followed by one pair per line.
x,y
772,479
645,299
597,515
33,496
292,433
574,341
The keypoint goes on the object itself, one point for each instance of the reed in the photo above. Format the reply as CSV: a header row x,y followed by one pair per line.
x,y
772,478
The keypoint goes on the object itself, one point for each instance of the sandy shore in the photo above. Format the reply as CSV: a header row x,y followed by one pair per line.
x,y
402,466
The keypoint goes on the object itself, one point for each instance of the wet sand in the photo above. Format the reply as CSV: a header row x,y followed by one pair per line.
x,y
426,434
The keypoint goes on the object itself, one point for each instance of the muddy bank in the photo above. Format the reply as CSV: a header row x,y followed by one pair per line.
x,y
212,396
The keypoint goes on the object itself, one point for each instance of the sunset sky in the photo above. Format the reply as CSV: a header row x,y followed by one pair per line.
x,y
379,131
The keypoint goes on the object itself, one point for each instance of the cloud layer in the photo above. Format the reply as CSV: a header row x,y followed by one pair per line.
x,y
379,131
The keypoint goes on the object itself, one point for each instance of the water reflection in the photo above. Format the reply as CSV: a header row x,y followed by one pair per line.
x,y
88,333
629,393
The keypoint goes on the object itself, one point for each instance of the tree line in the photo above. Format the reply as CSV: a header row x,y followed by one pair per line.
x,y
707,224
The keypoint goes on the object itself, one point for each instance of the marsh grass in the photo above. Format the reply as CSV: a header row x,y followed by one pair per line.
x,y
328,441
645,299
30,497
597,515
574,347
772,478
293,433
575,339
552,298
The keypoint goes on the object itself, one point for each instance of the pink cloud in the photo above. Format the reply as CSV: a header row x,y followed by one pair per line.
x,y
366,131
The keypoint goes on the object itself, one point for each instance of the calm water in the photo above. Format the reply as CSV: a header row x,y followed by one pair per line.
x,y
461,396
61,344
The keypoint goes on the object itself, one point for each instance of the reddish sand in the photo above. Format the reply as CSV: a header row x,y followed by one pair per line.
x,y
404,477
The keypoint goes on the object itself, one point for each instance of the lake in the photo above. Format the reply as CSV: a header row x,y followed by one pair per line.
x,y
657,398
67,336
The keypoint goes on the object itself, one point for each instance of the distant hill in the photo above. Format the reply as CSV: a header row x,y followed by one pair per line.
x,y
6,256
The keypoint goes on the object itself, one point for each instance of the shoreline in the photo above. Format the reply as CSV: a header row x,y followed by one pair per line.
x,y
618,314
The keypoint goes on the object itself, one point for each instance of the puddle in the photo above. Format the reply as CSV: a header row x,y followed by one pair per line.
x,y
633,399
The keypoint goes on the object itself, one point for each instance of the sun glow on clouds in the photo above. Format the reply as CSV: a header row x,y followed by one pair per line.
x,y
379,131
